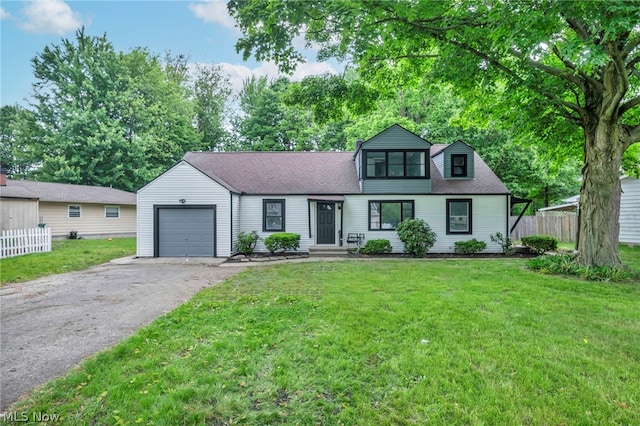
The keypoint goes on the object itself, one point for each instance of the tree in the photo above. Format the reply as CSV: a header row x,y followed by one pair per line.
x,y
551,64
109,118
211,89
18,130
269,123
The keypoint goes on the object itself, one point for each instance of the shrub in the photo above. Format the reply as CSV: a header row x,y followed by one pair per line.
x,y
376,247
565,265
505,242
470,247
417,236
282,241
540,243
246,242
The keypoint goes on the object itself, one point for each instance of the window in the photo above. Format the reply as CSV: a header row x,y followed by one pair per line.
x,y
273,215
388,214
74,211
112,211
459,216
395,164
458,165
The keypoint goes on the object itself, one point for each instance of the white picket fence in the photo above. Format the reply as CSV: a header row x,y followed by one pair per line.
x,y
16,242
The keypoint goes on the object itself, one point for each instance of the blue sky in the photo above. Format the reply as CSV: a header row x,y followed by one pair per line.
x,y
203,30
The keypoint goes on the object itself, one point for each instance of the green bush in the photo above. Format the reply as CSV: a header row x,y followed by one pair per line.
x,y
565,265
376,247
505,242
540,243
470,247
246,242
282,241
417,236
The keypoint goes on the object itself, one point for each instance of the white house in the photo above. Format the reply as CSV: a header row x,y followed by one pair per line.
x,y
199,206
630,210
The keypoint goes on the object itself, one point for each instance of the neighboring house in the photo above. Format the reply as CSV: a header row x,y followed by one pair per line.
x,y
629,209
198,207
91,211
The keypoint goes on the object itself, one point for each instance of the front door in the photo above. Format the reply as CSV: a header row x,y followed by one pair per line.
x,y
326,223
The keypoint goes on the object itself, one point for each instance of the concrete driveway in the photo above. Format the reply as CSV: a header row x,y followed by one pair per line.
x,y
51,324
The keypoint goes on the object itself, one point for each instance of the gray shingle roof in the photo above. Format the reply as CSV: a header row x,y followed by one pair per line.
x,y
485,182
314,173
66,193
284,173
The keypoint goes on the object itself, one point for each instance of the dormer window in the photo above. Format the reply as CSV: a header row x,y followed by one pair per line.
x,y
395,164
459,165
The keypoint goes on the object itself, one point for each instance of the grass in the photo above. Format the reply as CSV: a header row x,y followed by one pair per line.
x,y
393,342
66,256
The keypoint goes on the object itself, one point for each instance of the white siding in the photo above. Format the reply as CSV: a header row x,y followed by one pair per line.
x,y
489,217
183,182
18,213
296,218
630,211
235,220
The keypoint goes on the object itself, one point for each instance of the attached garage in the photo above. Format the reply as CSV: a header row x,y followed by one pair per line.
x,y
185,213
185,231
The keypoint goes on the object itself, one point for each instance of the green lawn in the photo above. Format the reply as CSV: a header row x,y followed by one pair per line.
x,y
383,342
66,256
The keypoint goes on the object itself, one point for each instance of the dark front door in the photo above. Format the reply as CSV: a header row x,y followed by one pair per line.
x,y
326,223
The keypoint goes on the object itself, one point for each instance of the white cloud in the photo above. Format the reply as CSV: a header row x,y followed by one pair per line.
x,y
50,17
238,73
4,14
213,11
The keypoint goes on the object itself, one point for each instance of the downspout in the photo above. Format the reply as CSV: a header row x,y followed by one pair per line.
x,y
230,223
309,215
341,222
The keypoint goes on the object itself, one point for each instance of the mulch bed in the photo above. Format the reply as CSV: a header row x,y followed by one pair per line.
x,y
267,257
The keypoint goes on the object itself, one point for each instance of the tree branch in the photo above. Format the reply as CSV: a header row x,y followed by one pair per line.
x,y
628,105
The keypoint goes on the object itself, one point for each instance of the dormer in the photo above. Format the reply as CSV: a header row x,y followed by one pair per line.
x,y
455,161
394,161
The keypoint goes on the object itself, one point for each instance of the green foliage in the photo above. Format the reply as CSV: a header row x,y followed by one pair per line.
x,y
18,133
117,119
282,242
417,236
470,247
505,242
380,246
246,242
565,264
540,243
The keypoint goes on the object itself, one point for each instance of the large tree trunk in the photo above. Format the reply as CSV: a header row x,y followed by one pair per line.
x,y
599,208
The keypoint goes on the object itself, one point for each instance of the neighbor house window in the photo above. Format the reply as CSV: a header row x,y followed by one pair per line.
x,y
74,211
459,216
112,211
395,164
273,215
388,214
458,165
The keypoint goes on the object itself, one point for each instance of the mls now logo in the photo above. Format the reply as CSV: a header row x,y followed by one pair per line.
x,y
23,416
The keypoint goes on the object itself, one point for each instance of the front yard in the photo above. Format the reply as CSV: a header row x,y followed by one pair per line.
x,y
66,256
380,342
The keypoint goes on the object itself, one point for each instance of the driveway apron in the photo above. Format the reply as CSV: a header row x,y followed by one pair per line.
x,y
51,324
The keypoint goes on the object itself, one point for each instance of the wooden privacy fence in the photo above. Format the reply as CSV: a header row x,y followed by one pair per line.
x,y
563,228
16,242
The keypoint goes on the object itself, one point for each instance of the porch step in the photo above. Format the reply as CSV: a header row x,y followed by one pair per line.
x,y
328,251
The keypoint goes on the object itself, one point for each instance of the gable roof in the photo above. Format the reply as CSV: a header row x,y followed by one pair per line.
x,y
281,172
66,193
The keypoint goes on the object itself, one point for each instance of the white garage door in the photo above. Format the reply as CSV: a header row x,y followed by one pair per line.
x,y
186,232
